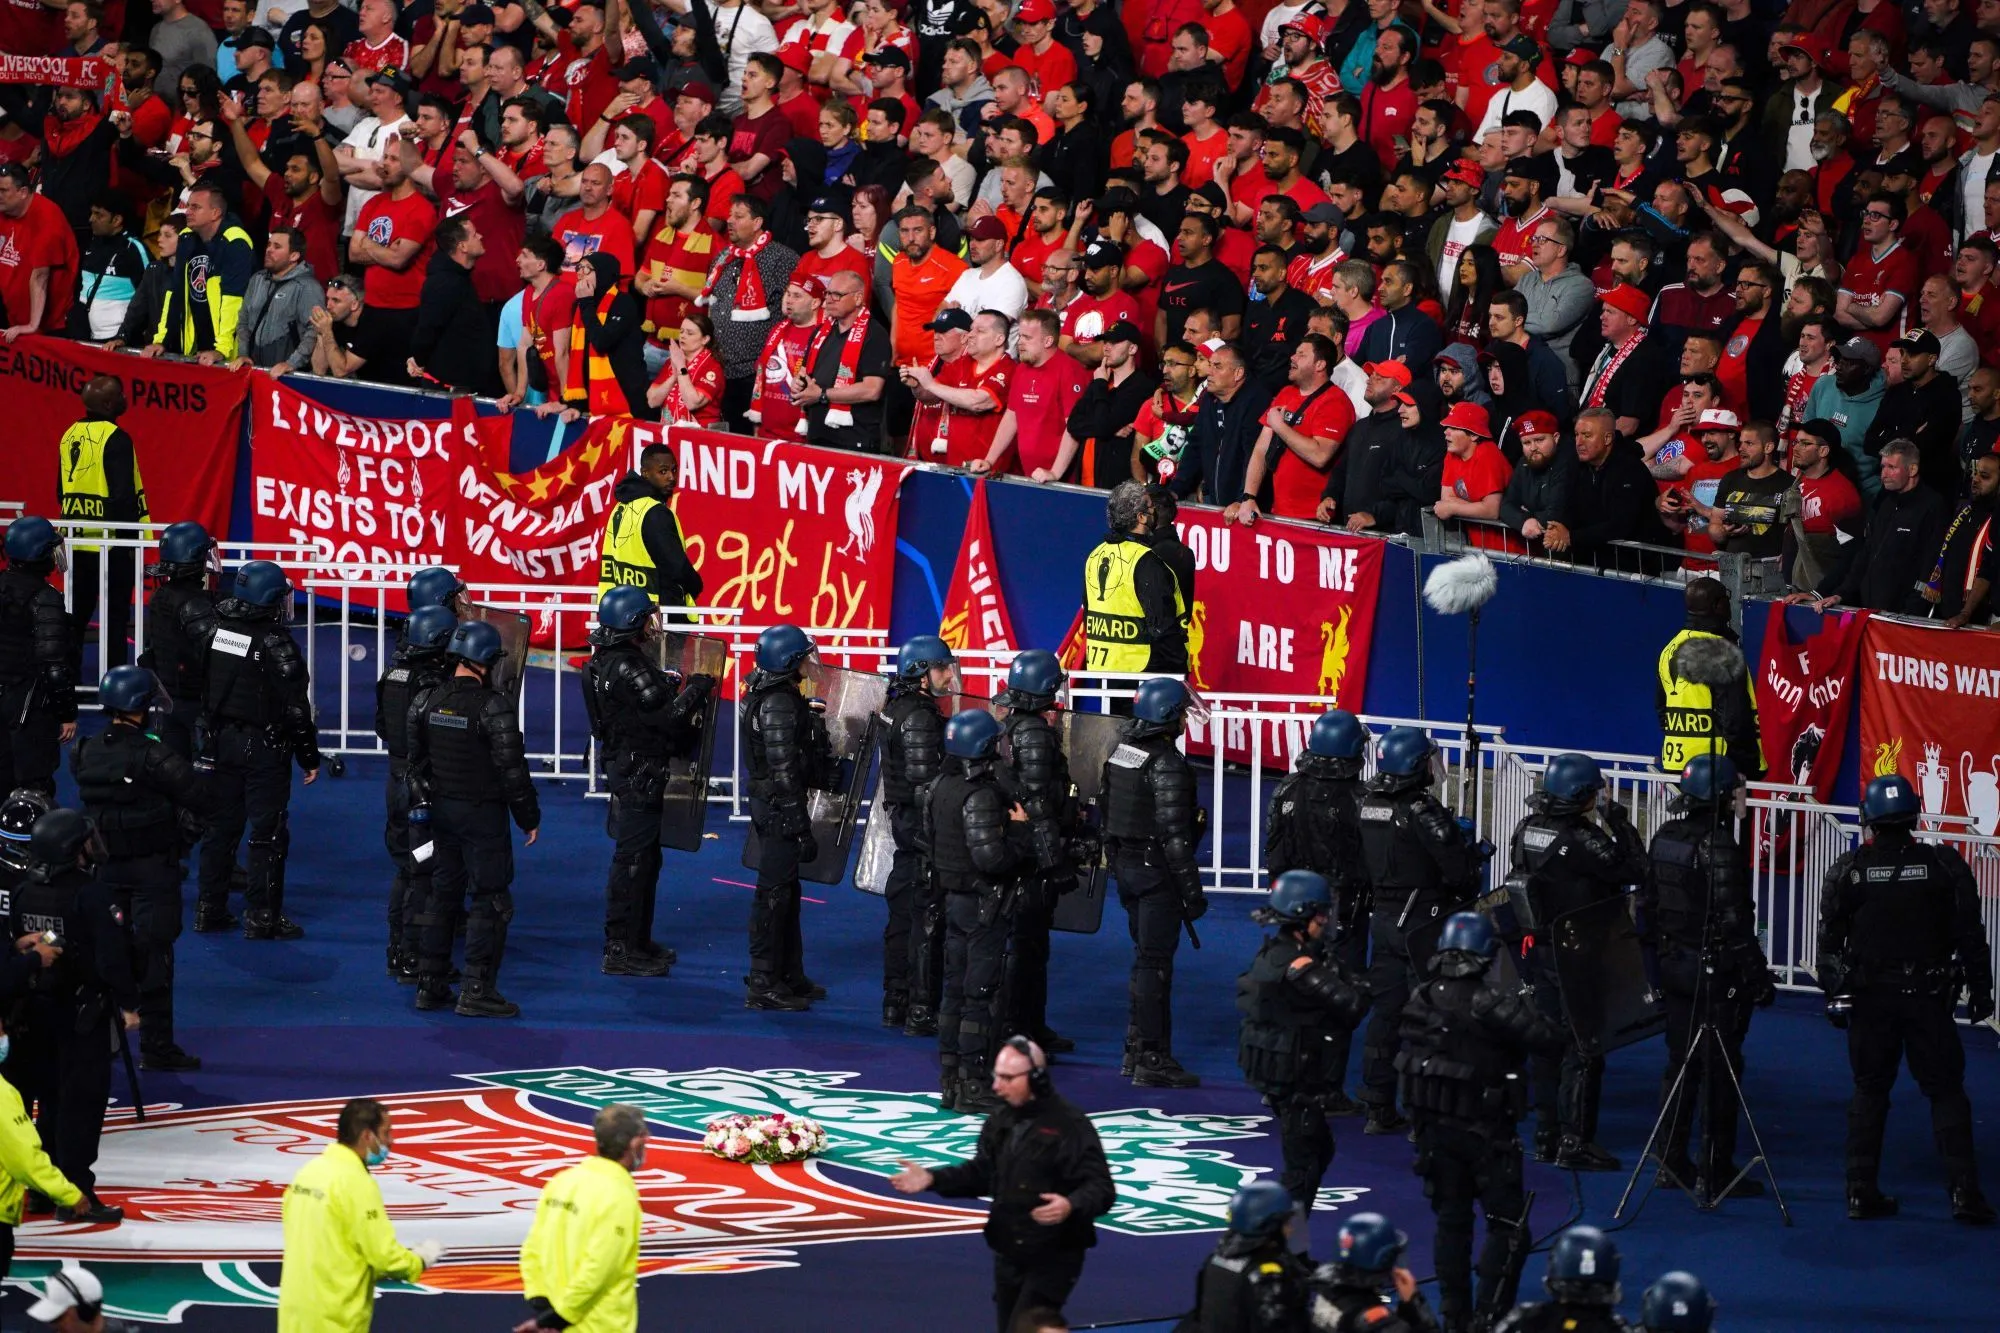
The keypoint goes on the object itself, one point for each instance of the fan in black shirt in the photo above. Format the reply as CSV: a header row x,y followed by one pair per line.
x,y
1198,282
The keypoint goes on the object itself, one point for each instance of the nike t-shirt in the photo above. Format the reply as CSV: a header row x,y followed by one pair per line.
x,y
1211,286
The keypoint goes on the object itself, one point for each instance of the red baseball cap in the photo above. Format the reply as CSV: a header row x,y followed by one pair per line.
x,y
1390,370
1809,46
1466,172
1630,300
1035,11
1537,423
1311,26
1470,418
813,286
794,56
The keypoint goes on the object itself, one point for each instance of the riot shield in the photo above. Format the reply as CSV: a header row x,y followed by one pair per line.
x,y
513,664
1088,740
1609,998
878,840
684,811
1508,909
853,701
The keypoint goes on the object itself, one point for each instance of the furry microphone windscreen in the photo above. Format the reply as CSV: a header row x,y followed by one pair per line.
x,y
1709,659
1465,584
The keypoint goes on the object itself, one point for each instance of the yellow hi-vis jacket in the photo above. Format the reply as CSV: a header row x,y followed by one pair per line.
x,y
83,476
338,1243
1114,617
582,1254
23,1163
623,559
1694,723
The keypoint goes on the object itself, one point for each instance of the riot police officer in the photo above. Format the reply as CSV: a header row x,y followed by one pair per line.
x,y
61,1055
1347,1292
1152,825
1899,935
30,953
1315,824
1582,1283
978,849
1422,865
642,717
418,664
257,717
1702,923
180,620
1570,862
912,756
469,771
787,754
1464,1045
37,667
1253,1283
438,586
1036,774
138,792
1296,995
1677,1302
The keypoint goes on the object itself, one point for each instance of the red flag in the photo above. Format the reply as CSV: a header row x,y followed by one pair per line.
x,y
975,610
1074,645
1804,691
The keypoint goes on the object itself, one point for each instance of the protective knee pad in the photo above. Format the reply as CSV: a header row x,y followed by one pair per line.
x,y
495,907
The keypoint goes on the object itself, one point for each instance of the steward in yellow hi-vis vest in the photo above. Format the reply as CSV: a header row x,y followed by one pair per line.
x,y
1706,699
641,547
97,472
1134,617
580,1263
338,1240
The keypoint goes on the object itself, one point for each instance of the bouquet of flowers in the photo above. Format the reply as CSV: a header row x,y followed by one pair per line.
x,y
764,1138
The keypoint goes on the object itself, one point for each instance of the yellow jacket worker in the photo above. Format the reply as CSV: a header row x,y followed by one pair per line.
x,y
23,1164
338,1241
580,1264
641,546
1706,699
1134,615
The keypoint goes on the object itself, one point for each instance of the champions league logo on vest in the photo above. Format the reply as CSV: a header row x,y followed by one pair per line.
x,y
203,1188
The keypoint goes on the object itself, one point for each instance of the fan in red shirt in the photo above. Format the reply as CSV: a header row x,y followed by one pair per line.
x,y
392,238
596,226
1046,388
1277,173
833,47
34,238
1303,430
483,189
827,250
1103,304
1476,474
1047,62
1388,100
688,388
785,348
1879,279
304,197
962,398
1683,502
580,69
378,46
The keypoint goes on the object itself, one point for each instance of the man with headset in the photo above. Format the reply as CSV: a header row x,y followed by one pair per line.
x,y
73,1302
1040,1161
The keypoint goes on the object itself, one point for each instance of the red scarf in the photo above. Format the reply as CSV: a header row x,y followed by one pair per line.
x,y
677,408
850,363
1602,383
750,304
755,411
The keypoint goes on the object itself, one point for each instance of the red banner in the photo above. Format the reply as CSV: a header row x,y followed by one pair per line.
x,y
56,71
1803,699
1930,710
360,490
975,609
184,421
1278,609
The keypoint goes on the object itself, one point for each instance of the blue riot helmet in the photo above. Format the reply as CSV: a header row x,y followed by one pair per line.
x,y
1260,1210
263,585
436,586
1298,896
1404,760
922,653
1162,701
18,814
186,549
430,629
1468,945
1890,800
782,647
973,734
132,689
32,539
1583,1268
1709,778
624,610
476,642
1035,679
1570,784
1677,1302
1367,1249
1337,734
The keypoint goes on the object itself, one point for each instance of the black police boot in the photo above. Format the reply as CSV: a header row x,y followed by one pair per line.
x,y
167,1058
655,949
403,967
805,987
1131,1051
89,1209
948,1084
1053,1042
1548,1142
975,1091
1866,1203
1384,1118
264,924
1968,1205
1155,1068
624,960
895,1009
435,993
1338,1102
1715,1186
210,918
921,1022
1577,1155
762,991
1678,1172
480,998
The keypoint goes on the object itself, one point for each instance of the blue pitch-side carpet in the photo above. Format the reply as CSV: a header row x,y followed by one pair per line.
x,y
319,1020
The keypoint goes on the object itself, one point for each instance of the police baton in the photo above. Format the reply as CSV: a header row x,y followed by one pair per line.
x,y
131,1069
1193,938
